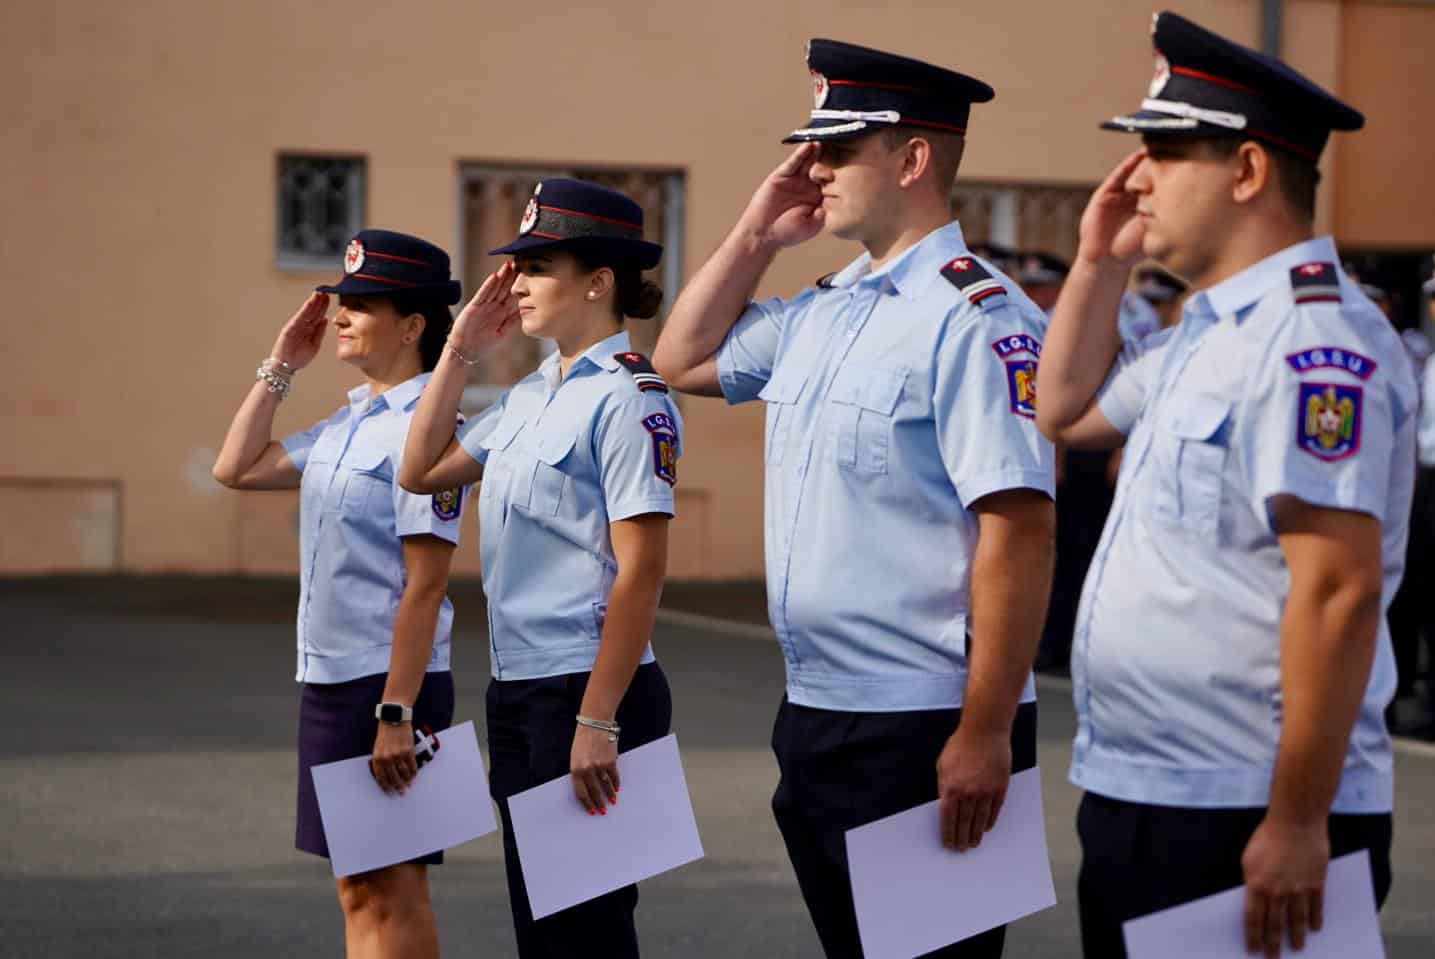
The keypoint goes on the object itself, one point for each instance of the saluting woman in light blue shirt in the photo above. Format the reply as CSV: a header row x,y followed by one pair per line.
x,y
578,462
374,615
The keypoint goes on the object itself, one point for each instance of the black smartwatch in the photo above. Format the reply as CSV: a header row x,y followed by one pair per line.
x,y
393,713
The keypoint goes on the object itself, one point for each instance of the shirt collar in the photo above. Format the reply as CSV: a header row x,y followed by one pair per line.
x,y
1233,294
600,354
912,270
399,397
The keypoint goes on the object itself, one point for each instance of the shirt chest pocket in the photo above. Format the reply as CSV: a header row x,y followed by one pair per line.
x,y
368,481
863,403
780,394
550,472
497,470
1194,444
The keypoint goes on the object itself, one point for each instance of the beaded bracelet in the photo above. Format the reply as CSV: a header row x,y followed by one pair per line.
x,y
275,382
610,728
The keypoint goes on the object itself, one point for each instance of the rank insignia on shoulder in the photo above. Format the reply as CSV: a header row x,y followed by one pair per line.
x,y
665,446
969,276
1315,283
1328,420
448,504
1020,352
644,375
825,282
1333,358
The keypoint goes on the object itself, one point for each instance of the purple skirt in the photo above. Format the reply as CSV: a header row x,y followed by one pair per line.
x,y
336,721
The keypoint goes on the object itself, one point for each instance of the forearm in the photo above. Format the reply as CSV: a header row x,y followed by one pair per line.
x,y
1328,641
414,628
432,427
1081,344
249,435
632,608
1011,580
712,302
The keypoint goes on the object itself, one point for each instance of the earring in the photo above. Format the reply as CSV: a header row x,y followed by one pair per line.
x,y
591,294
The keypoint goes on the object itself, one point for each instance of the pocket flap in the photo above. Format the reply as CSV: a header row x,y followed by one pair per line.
x,y
1196,416
873,389
367,461
502,435
554,447
784,386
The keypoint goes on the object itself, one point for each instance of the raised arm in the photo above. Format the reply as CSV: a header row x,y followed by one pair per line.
x,y
1082,339
786,210
249,458
433,460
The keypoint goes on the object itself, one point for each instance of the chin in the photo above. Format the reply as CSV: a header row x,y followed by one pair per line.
x,y
532,325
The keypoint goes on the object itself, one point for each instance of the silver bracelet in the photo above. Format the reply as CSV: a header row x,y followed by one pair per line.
x,y
610,728
273,381
455,351
288,370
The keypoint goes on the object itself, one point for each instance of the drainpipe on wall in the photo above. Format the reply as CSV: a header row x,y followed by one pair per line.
x,y
1271,27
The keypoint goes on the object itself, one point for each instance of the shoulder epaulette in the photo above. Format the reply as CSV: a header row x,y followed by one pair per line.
x,y
825,282
644,375
969,276
1315,283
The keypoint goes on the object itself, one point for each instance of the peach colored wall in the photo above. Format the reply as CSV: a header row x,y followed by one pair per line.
x,y
138,189
1383,195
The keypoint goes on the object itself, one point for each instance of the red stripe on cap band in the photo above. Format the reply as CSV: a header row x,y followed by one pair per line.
x,y
382,279
1305,152
546,236
875,86
1199,75
908,121
401,259
590,216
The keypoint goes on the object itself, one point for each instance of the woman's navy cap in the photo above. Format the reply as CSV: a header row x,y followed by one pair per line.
x,y
856,88
1205,85
382,262
586,217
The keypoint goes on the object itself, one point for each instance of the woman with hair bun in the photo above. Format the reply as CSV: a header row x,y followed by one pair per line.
x,y
577,464
374,615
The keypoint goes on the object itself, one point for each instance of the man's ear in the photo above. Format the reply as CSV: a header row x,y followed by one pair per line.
x,y
1251,172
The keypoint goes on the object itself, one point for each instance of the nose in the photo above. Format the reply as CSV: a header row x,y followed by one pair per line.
x,y
341,318
1139,182
520,284
819,172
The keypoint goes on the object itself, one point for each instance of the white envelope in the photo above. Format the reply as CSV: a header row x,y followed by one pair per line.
x,y
570,857
1213,927
446,805
913,895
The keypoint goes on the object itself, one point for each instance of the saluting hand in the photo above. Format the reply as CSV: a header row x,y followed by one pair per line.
x,y
973,773
787,207
1111,226
393,763
489,314
1284,866
301,337
594,766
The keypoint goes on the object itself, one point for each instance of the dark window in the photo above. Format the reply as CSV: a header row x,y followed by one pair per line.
x,y
320,206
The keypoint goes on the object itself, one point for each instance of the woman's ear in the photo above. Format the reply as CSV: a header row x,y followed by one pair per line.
x,y
414,325
600,282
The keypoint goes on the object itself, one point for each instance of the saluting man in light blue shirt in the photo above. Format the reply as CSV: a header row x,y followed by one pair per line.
x,y
1231,660
908,528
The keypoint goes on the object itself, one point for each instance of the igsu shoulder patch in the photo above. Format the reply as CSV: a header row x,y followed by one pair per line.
x,y
664,431
644,375
1315,283
1020,353
969,276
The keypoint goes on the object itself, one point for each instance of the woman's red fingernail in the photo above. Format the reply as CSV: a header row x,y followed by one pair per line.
x,y
590,812
602,812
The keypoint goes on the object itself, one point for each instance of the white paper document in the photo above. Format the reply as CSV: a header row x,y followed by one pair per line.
x,y
570,857
913,895
1214,927
447,804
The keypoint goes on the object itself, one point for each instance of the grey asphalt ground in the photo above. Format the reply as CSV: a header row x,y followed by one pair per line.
x,y
147,789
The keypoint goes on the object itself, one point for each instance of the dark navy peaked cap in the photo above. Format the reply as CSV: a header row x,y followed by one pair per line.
x,y
1205,85
855,89
382,263
584,217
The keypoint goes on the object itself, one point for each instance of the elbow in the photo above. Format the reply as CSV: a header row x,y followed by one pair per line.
x,y
415,481
667,366
225,476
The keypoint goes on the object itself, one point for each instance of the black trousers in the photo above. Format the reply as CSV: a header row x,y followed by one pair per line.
x,y
1082,502
841,770
1137,859
531,723
1412,610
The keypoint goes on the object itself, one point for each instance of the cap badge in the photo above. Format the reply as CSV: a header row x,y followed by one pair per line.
x,y
353,257
820,89
1162,77
530,216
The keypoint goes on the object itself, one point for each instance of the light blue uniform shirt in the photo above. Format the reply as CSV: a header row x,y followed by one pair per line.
x,y
352,516
561,461
894,402
1176,657
1425,446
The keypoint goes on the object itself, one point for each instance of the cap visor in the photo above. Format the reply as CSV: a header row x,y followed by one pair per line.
x,y
1149,121
640,253
448,292
829,130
